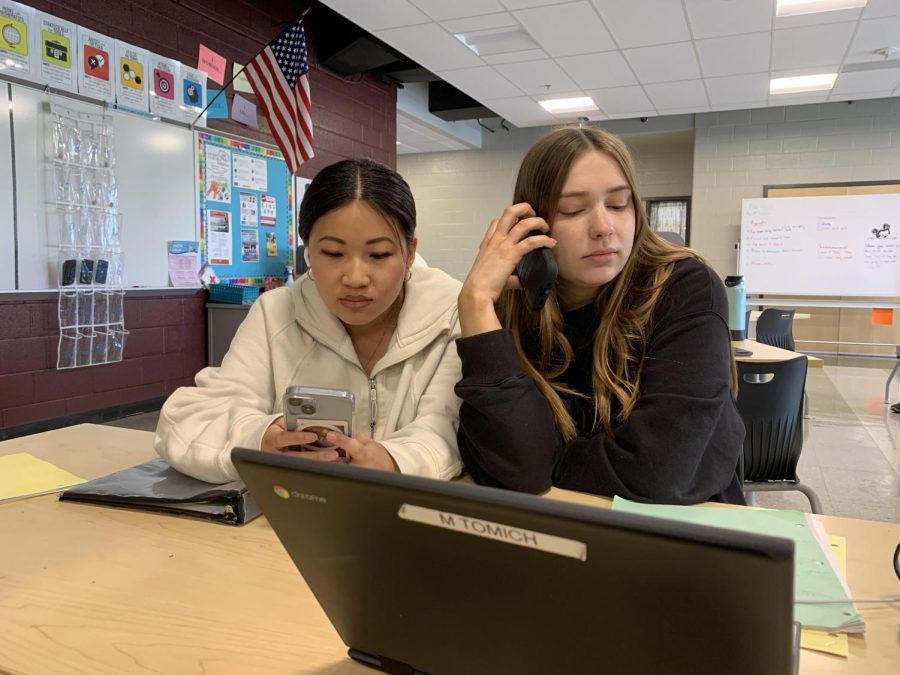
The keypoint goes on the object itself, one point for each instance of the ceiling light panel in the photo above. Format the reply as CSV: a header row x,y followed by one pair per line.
x,y
802,83
497,40
583,33
559,106
795,7
639,23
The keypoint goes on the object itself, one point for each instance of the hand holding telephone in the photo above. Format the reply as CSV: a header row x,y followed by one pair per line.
x,y
319,411
537,272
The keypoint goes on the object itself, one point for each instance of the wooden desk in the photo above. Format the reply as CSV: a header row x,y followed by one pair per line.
x,y
763,353
88,589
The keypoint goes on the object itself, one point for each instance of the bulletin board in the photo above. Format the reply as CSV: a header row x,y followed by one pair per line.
x,y
245,210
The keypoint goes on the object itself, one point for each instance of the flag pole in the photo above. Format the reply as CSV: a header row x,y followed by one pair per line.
x,y
234,76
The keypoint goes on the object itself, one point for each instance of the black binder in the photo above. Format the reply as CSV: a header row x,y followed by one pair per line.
x,y
156,486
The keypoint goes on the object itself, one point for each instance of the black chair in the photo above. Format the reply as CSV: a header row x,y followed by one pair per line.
x,y
770,400
775,327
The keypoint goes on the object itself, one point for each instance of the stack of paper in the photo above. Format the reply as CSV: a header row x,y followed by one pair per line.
x,y
816,574
24,475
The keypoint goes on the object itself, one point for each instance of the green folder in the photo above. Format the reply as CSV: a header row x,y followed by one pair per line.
x,y
814,577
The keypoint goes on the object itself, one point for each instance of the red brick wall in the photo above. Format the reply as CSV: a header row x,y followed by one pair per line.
x,y
352,117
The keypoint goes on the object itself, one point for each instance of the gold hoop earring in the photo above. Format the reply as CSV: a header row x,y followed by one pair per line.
x,y
408,273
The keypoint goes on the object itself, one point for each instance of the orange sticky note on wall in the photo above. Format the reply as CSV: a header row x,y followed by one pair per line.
x,y
882,316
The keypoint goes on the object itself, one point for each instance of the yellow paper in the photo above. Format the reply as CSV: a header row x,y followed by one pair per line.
x,y
22,475
818,640
240,83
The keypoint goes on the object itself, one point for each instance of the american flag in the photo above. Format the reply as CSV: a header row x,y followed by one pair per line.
x,y
278,77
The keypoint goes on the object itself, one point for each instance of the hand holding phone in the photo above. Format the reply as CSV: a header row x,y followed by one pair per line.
x,y
319,410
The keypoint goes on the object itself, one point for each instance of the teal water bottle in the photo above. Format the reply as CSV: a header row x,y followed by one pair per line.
x,y
737,306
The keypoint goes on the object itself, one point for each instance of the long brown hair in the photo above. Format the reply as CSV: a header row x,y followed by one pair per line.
x,y
626,302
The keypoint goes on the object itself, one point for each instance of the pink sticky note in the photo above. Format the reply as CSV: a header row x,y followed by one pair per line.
x,y
212,64
243,111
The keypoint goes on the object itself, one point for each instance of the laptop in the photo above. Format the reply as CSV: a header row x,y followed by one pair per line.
x,y
426,576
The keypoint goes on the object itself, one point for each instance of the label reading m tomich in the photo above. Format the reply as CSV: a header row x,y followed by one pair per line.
x,y
507,534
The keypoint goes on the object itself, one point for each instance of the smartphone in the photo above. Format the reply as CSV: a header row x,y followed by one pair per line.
x,y
86,275
68,273
102,269
318,410
537,273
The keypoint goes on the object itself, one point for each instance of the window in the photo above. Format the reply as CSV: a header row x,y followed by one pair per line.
x,y
670,214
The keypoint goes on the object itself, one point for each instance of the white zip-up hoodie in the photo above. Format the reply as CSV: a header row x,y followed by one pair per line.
x,y
290,337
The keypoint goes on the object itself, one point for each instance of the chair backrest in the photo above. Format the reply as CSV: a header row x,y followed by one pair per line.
x,y
770,400
775,327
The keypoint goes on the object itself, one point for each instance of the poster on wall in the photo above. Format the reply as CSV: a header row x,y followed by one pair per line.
x,y
231,215
164,74
56,43
131,77
250,172
16,51
218,174
218,237
192,95
95,65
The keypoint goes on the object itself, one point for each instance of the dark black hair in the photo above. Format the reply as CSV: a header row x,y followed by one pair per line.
x,y
350,180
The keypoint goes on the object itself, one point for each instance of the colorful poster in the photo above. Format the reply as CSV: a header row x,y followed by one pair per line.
x,y
249,246
131,84
164,74
268,210
57,46
95,65
218,237
184,263
212,64
218,174
192,95
271,244
16,21
249,210
250,172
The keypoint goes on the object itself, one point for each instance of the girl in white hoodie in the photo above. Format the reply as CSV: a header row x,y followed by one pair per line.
x,y
362,319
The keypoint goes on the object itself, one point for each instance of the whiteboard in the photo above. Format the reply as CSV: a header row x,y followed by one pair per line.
x,y
843,245
156,176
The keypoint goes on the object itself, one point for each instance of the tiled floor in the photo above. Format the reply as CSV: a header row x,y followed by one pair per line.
x,y
851,456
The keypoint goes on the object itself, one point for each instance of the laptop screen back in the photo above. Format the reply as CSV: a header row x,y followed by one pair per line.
x,y
456,578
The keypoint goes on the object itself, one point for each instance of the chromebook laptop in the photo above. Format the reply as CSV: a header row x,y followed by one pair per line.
x,y
424,576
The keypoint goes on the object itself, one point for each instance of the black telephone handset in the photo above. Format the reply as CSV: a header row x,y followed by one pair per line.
x,y
537,273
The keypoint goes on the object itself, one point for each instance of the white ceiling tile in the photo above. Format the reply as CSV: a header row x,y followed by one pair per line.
x,y
677,94
866,81
523,4
441,10
516,57
584,33
803,98
737,88
632,115
734,55
872,35
683,111
878,8
484,22
430,46
664,63
378,15
532,77
481,82
519,108
622,100
743,104
715,18
639,23
810,47
596,71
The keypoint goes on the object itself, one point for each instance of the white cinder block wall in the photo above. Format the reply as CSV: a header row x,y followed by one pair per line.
x,y
458,193
736,153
